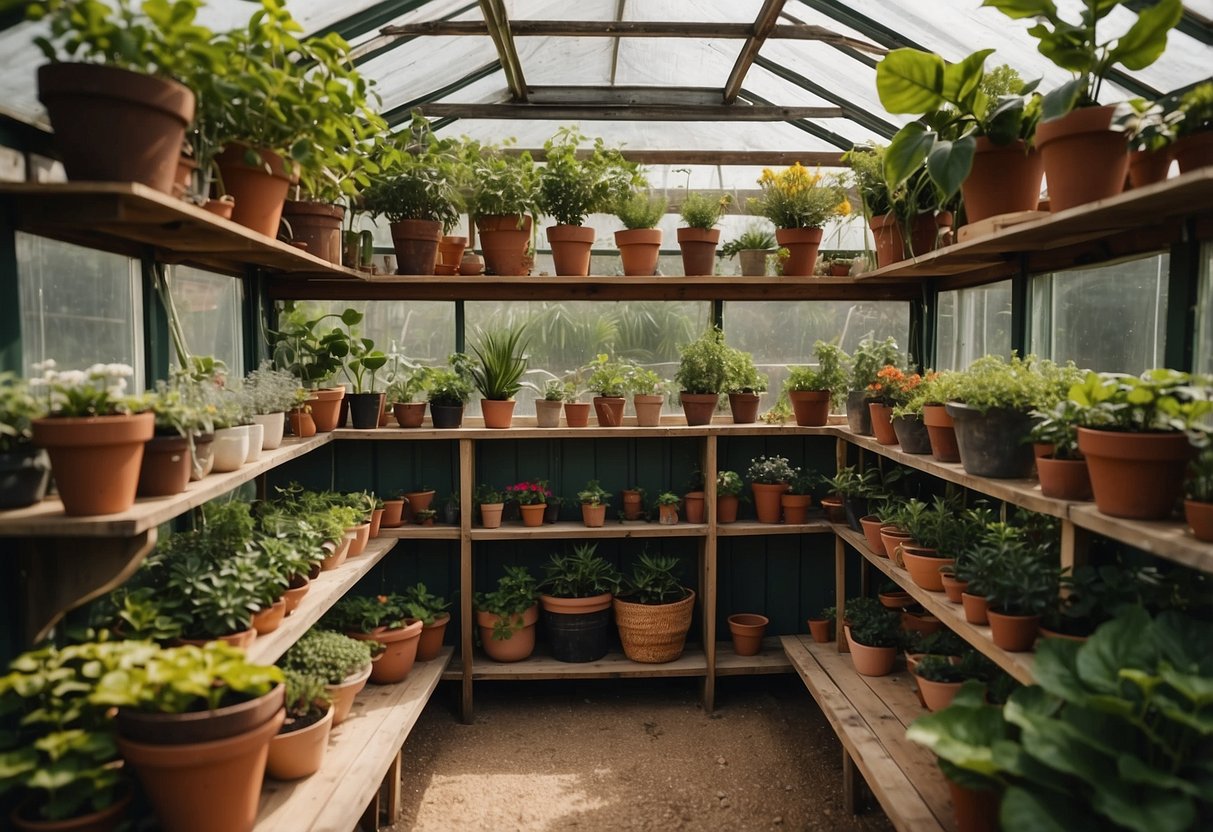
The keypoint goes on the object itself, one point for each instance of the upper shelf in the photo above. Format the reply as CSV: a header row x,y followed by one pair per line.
x,y
127,217
525,428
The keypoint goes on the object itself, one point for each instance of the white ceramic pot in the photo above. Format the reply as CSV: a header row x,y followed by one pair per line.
x,y
230,448
273,424
256,436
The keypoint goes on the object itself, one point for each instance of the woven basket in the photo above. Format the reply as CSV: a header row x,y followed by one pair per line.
x,y
654,633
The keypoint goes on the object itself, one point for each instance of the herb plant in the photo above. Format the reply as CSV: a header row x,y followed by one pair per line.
x,y
582,574
700,210
593,494
704,364
502,363
516,593
653,581
771,470
327,655
571,188
639,210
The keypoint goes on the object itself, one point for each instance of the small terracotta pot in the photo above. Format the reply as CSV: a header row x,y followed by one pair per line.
x,y
593,516
1200,518
429,645
667,515
490,515
571,249
318,226
1063,479
416,245
648,410
577,414
871,661
820,628
1149,166
924,568
393,514
836,510
695,506
766,500
892,538
1084,158
795,508
221,207
518,646
1135,475
295,592
95,460
362,536
976,608
396,661
812,407
267,620
1194,151
802,245
975,810
450,250
1004,179
1014,633
300,753
338,552
747,630
409,414
632,505
639,249
471,264
343,693
166,465
326,407
259,190
498,415
532,515
503,241
376,522
608,410
302,424
942,432
882,423
415,501
937,695
726,508
871,533
698,408
744,407
547,413
896,600
952,587
698,247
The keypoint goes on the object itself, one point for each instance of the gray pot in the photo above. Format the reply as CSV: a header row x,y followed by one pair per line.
x,y
24,476
912,434
993,444
859,418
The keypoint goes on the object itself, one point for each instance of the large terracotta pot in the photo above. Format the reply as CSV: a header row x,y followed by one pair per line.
x,y
105,820
1084,158
766,500
166,466
344,692
890,243
430,644
747,630
1149,166
648,410
396,661
654,633
882,423
608,410
802,245
1063,479
1004,179
518,646
498,415
318,225
812,407
326,407
1014,633
639,249
1194,151
871,661
416,245
744,407
695,506
726,508
942,432
795,508
924,568
1136,475
300,753
571,248
503,241
698,247
699,407
409,414
95,460
577,414
115,125
259,190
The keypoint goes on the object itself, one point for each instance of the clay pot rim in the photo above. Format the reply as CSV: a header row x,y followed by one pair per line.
x,y
202,753
357,677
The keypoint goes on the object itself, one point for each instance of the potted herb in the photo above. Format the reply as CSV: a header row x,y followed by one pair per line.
x,y
492,505
501,362
653,610
362,363
745,386
821,626
594,502
751,247
431,611
633,503
939,678
796,500
667,508
1061,467
648,395
703,373
181,414
1150,131
799,204
504,199
576,600
608,380
383,619
570,188
729,486
874,635
341,663
297,750
1198,491
24,469
506,616
694,500
532,497
408,383
639,243
812,391
870,357
272,392
576,413
313,355
448,390
1194,133
698,236
934,529
769,479
549,404
417,500
1022,586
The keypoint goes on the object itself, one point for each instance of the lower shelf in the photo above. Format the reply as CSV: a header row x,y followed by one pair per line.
x,y
411,531
360,751
568,529
870,716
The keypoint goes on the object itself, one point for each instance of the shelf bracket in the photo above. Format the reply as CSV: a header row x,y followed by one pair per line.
x,y
61,574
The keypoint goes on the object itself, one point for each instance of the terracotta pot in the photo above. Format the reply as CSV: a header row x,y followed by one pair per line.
x,y
95,460
795,508
942,433
318,225
415,501
532,515
183,176
429,646
446,416
273,426
937,695
1135,475
1084,158
338,552
924,569
396,661
882,423
871,533
498,415
183,729
992,444
871,661
608,410
698,408
1014,633
920,622
1194,151
570,246
836,511
577,414
890,244
295,592
1045,632
344,693
1149,166
753,262
267,620
105,820
260,191
302,424
182,781
840,269
471,264
726,508
695,506
393,514
518,646
648,410
1063,479
325,403
667,515
221,207
376,522
812,407
639,249
747,630
166,466
820,628
766,500
744,407
912,434
1200,518
654,633
490,515
547,413
892,539
503,241
362,537
896,600
976,609
633,507
593,516
1004,179
243,639
416,245
450,250
802,245
298,754
144,118
859,418
975,810
698,250
952,587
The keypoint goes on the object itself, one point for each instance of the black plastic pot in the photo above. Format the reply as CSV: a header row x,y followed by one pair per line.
x,y
552,513
912,434
859,418
578,638
855,507
364,409
24,476
446,416
993,444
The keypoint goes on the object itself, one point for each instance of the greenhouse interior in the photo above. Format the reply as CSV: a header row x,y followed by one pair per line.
x,y
439,340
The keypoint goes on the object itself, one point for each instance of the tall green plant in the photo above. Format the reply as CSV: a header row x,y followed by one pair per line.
x,y
502,362
570,188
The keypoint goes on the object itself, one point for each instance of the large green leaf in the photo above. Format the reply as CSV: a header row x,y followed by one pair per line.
x,y
1056,744
949,163
1023,810
1002,124
965,733
1056,669
1018,9
1147,37
1123,642
1144,809
961,80
910,81
1066,46
1058,102
1133,770
1187,644
906,153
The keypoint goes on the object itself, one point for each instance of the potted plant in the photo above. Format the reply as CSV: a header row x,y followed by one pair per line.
x,y
502,360
1022,586
745,386
448,390
639,243
904,218
297,750
812,391
796,500
648,395
1150,131
504,199
935,530
751,248
1198,491
417,500
383,619
549,404
821,626
532,498
576,413
667,508
608,380
729,486
874,635
870,357
1194,133
1061,467
431,611
769,479
570,188
362,363
492,505
703,372
1084,157
313,356
799,204
408,383
594,502
939,678
1133,437
341,663
576,600
895,413
425,517
698,236
653,611
180,415
24,469
506,616
272,392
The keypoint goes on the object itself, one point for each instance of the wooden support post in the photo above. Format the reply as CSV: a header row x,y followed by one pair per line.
x,y
707,572
768,15
467,476
849,784
840,591
840,454
1075,546
369,822
499,30
391,784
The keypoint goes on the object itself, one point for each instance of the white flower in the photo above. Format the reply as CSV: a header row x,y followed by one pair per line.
x,y
48,364
119,370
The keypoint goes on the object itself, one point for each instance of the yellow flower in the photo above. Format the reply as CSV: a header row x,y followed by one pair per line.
x,y
844,208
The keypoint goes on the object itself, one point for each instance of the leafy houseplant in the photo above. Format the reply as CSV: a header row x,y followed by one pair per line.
x,y
1022,587
752,245
448,389
640,242
327,655
653,610
799,204
431,611
594,500
729,486
874,634
648,391
744,384
504,199
703,374
813,391
576,600
769,479
498,375
698,236
506,616
871,356
609,381
385,619
667,503
1194,132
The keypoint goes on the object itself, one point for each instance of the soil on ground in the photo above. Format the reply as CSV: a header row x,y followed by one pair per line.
x,y
628,754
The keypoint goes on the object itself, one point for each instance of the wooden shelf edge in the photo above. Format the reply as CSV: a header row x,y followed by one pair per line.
x,y
1168,539
573,530
411,531
525,430
752,528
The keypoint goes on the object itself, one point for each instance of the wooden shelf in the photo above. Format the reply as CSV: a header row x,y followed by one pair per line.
x,y
129,218
360,750
411,531
325,591
46,519
524,428
770,660
574,530
1169,539
1018,665
744,528
870,715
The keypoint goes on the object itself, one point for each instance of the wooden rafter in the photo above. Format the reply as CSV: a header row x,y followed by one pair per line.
x,y
753,158
625,112
498,24
763,24
620,7
585,94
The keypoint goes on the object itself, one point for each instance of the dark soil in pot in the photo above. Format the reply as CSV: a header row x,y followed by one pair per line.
x,y
992,443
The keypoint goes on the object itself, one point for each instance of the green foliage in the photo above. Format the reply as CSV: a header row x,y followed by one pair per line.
x,y
743,376
422,604
936,525
796,198
849,482
582,574
516,593
872,356
644,382
1095,594
700,210
771,470
653,581
270,390
935,668
668,498
874,625
500,184
1059,427
754,238
327,655
363,613
593,494
305,696
728,484
502,362
1019,384
407,380
572,188
1197,108
607,378
302,348
1199,485
704,364
1157,400
451,386
98,391
1024,581
867,168
18,409
417,182
940,643
639,210
829,375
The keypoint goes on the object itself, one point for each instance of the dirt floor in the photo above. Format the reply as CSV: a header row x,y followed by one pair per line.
x,y
629,754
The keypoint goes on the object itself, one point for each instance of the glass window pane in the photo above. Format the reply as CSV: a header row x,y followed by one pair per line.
x,y
1110,319
1204,313
79,306
209,306
972,323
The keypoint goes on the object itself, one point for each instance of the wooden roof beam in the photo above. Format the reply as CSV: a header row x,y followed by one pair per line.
x,y
751,158
625,112
768,15
498,24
